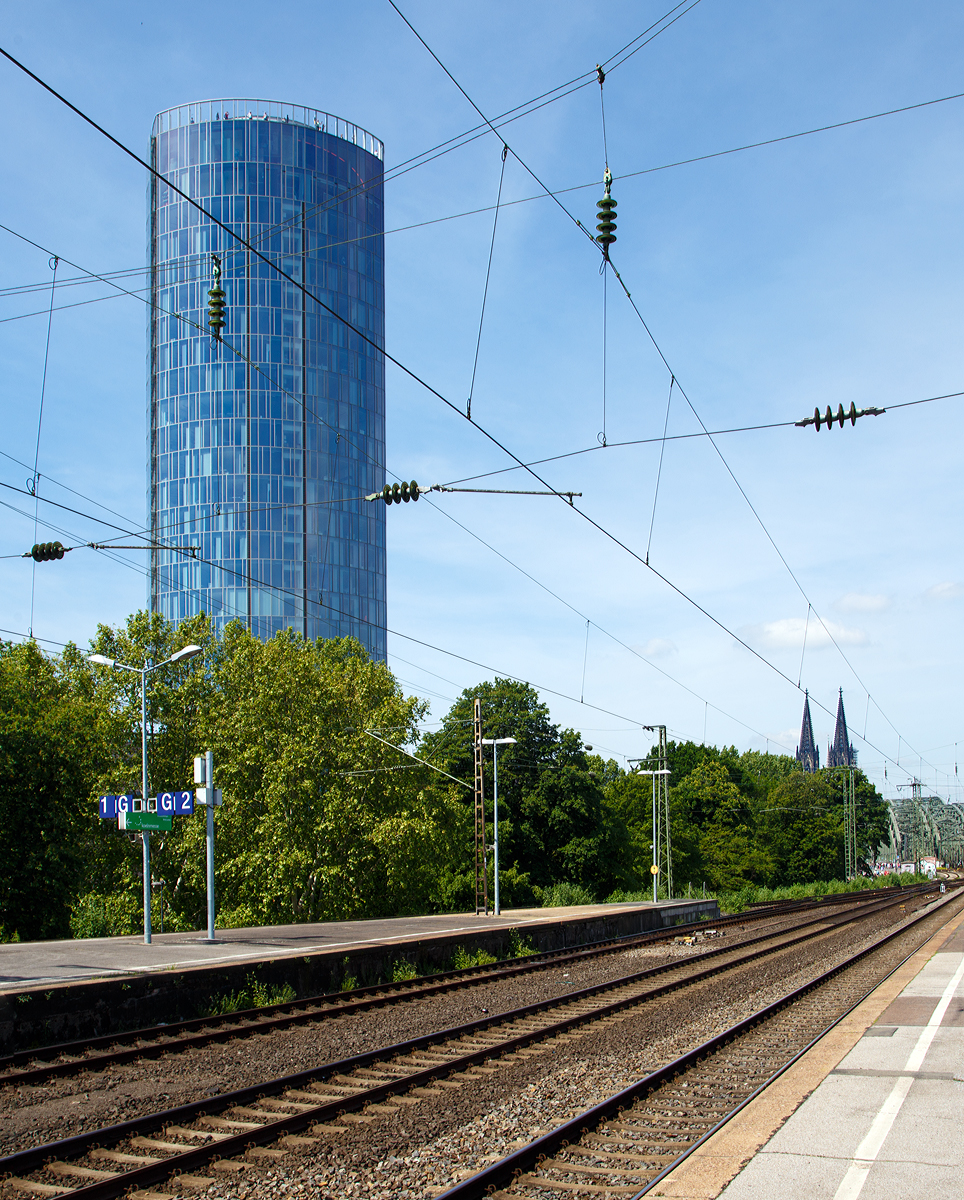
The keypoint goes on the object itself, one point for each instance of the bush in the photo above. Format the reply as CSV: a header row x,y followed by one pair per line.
x,y
242,917
621,897
520,947
403,971
96,915
737,902
564,895
253,995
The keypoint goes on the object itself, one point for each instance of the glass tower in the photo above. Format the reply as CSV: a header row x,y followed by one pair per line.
x,y
262,445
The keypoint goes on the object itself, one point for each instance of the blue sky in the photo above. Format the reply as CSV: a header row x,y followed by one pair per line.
x,y
822,270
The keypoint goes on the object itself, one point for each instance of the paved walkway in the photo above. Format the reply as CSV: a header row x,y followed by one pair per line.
x,y
28,964
881,1103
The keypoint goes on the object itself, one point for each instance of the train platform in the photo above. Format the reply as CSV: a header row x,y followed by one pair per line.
x,y
36,964
58,991
874,1110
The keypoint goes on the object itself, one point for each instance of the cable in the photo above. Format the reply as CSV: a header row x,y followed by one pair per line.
x,y
485,290
40,420
583,81
677,437
659,469
369,341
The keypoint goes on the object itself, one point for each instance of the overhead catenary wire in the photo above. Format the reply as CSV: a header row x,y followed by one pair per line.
x,y
519,462
679,437
389,357
605,251
485,290
585,79
659,469
40,419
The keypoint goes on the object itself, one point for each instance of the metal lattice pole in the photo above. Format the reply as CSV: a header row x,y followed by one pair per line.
x,y
481,858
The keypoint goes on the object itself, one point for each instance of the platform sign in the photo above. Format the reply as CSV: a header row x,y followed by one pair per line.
x,y
144,821
177,804
166,804
110,806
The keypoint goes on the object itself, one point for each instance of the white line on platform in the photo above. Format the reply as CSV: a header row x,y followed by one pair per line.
x,y
868,1150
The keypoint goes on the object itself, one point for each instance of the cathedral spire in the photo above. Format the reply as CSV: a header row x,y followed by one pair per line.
x,y
841,752
808,752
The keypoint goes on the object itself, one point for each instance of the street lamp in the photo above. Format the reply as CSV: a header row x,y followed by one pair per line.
x,y
655,867
103,661
495,743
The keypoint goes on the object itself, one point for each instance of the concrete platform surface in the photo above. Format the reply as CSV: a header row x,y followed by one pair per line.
x,y
877,1106
31,964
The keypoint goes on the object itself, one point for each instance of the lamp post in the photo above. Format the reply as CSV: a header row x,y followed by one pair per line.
x,y
495,743
179,656
655,866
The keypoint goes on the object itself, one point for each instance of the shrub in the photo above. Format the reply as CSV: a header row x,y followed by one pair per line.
x,y
520,947
242,917
254,995
402,971
97,915
565,894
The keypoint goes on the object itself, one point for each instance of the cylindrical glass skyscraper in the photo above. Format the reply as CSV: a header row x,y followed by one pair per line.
x,y
262,445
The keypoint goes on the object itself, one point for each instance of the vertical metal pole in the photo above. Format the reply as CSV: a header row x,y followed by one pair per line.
x,y
209,784
655,850
481,855
495,822
664,792
145,834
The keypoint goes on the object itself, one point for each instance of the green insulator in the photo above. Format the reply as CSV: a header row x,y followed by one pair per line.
x,y
387,493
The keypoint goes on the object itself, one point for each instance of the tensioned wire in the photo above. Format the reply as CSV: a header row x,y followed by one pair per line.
x,y
40,419
520,464
635,653
612,537
364,337
455,143
175,263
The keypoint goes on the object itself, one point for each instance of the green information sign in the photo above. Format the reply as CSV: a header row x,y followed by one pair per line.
x,y
155,822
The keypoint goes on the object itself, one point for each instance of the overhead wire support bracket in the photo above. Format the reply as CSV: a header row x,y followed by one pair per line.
x,y
192,550
839,416
390,493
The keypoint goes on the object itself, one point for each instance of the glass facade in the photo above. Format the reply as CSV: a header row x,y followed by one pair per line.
x,y
262,445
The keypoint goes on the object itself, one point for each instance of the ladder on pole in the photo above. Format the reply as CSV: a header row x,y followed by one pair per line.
x,y
481,857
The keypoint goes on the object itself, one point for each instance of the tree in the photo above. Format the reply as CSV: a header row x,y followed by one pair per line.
x,y
555,822
802,827
50,749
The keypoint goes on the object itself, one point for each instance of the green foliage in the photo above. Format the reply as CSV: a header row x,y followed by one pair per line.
x,y
253,995
241,917
565,894
520,947
96,915
554,818
464,960
737,902
51,744
403,971
348,981
318,824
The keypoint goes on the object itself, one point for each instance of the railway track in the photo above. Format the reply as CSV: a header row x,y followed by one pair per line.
x,y
39,1065
227,1133
624,1146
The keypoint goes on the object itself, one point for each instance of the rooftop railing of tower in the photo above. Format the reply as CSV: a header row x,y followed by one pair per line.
x,y
266,110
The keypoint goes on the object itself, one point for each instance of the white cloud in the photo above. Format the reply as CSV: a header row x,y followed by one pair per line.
x,y
944,591
657,648
788,634
861,602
